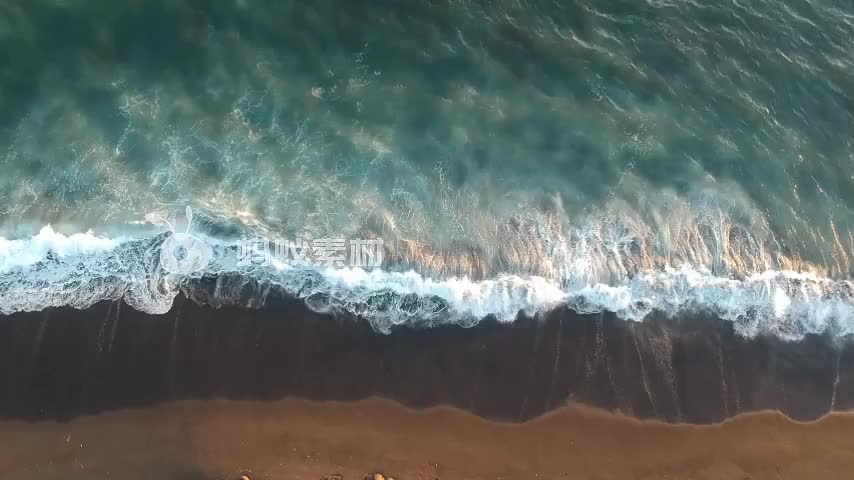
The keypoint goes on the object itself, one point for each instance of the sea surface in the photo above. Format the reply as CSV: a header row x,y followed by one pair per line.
x,y
511,155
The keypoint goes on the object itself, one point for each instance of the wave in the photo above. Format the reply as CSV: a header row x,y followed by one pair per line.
x,y
16,253
52,270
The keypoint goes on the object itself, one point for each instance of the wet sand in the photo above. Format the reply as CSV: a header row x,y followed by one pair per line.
x,y
63,363
300,439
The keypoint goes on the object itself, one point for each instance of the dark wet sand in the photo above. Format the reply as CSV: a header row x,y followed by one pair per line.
x,y
63,363
300,439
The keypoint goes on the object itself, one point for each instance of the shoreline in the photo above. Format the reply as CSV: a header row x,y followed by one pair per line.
x,y
302,439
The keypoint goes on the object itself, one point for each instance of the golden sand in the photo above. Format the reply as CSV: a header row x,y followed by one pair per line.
x,y
298,439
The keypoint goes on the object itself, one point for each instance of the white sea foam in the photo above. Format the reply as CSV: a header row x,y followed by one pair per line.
x,y
16,253
503,297
783,303
85,269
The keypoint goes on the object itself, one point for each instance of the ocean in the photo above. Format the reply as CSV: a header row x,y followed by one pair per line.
x,y
483,159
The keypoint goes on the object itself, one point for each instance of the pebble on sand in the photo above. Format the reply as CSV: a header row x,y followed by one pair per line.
x,y
377,476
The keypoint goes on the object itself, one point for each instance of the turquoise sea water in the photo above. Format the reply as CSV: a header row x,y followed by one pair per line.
x,y
621,154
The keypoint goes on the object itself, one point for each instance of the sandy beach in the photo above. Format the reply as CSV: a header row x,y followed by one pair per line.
x,y
204,394
298,439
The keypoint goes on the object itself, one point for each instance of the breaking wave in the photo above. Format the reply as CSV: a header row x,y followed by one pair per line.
x,y
51,270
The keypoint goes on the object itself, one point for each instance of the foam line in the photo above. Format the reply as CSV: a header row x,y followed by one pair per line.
x,y
84,269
